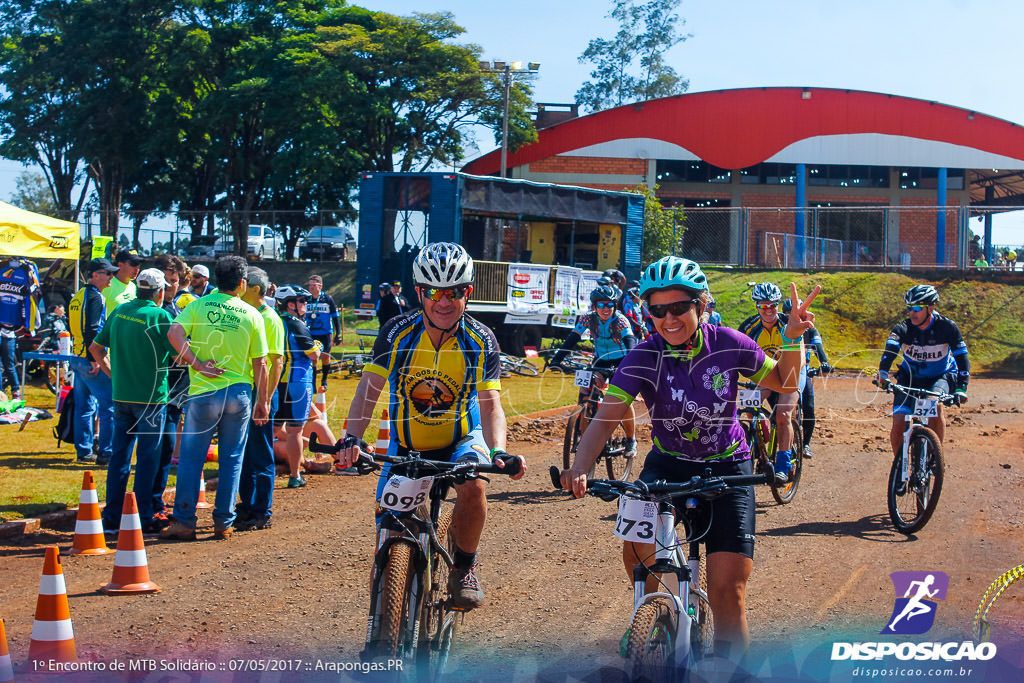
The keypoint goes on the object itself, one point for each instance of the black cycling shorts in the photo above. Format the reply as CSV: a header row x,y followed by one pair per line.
x,y
325,341
731,516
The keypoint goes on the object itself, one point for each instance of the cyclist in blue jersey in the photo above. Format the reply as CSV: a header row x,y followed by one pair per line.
x,y
714,317
613,337
324,324
934,358
295,392
633,309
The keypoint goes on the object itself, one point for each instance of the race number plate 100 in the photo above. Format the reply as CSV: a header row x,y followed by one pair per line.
x,y
636,519
748,398
402,494
926,407
583,378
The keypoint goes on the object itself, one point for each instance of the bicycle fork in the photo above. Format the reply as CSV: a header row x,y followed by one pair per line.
x,y
674,574
905,462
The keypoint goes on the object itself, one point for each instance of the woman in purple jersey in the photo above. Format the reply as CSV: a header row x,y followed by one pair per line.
x,y
687,374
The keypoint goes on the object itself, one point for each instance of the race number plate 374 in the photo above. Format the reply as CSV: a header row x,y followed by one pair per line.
x,y
402,494
636,519
926,407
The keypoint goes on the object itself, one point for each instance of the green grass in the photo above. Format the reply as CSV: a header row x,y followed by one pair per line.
x,y
37,477
855,312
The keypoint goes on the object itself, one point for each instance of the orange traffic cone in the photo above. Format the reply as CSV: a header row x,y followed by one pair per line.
x,y
52,635
89,529
131,570
383,434
6,669
320,399
201,504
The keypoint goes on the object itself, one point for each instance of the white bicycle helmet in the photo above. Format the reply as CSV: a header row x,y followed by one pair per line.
x,y
672,271
442,264
286,292
921,295
766,291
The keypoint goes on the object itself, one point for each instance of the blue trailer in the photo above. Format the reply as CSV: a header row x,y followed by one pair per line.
x,y
500,222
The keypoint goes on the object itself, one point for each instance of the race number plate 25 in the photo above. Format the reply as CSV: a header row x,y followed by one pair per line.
x,y
926,407
583,378
402,494
636,520
748,398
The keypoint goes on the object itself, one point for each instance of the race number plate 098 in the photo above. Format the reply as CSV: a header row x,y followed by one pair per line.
x,y
402,494
636,520
748,398
926,407
583,378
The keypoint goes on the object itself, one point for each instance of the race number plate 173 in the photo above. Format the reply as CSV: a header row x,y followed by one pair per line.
x,y
636,519
402,494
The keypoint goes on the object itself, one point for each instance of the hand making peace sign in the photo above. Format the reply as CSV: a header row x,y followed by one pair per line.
x,y
800,318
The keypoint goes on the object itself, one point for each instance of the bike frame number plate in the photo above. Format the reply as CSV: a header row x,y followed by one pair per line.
x,y
402,494
748,398
637,520
583,378
926,407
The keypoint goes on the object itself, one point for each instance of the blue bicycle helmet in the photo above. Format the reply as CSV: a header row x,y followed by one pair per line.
x,y
604,293
921,295
766,291
672,271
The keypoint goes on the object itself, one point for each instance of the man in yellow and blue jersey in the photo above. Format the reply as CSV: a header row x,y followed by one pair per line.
x,y
444,372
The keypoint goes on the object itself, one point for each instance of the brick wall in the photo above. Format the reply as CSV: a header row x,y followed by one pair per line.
x,y
596,165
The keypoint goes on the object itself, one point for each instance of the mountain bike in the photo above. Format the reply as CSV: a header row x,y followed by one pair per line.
x,y
618,461
513,365
915,479
673,628
574,360
411,615
762,437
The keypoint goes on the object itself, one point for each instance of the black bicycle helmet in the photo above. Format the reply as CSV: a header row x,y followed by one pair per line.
x,y
921,295
604,293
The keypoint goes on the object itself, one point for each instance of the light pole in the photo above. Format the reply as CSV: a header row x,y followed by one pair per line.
x,y
508,70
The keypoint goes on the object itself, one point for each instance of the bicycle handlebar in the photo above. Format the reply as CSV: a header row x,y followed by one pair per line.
x,y
369,462
703,487
914,392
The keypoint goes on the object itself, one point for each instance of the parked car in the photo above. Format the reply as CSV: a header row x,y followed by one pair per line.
x,y
201,247
224,246
328,243
265,243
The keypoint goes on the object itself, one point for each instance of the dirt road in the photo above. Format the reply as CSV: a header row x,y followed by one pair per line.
x,y
558,599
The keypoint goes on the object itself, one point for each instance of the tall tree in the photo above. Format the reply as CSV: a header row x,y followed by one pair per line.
x,y
631,67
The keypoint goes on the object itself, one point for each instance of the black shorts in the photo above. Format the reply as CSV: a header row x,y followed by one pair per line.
x,y
325,341
293,402
903,404
731,516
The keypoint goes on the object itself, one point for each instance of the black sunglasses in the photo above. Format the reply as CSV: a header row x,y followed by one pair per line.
x,y
676,308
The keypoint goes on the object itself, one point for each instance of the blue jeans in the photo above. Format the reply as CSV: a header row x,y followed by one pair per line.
x,y
225,412
138,425
10,365
167,442
92,393
256,489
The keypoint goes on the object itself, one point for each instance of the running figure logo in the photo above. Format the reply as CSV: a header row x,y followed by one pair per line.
x,y
914,612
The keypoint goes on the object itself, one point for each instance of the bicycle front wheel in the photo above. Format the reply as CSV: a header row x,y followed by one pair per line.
x,y
912,503
617,460
437,622
394,601
572,437
702,633
651,642
783,493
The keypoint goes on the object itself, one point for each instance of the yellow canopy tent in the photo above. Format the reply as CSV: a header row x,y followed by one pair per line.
x,y
33,235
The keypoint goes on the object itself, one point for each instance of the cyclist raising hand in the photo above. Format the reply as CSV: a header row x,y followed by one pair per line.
x,y
687,374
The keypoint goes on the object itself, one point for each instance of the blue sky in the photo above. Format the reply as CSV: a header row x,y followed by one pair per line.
x,y
959,52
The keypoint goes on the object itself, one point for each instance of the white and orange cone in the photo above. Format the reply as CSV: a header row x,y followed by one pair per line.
x,y
6,668
131,570
88,527
52,635
383,434
201,504
320,399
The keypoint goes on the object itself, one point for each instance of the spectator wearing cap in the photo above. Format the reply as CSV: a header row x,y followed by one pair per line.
x,y
122,286
200,285
86,314
138,362
384,291
223,340
394,304
256,486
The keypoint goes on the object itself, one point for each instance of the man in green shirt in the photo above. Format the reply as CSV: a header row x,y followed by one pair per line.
x,y
223,340
140,354
122,285
256,488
